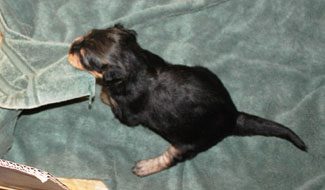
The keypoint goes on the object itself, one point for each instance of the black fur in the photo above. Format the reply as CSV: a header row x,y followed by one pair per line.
x,y
187,106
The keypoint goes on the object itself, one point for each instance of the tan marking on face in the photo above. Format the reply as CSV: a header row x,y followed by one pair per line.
x,y
94,73
73,58
75,61
82,52
97,74
154,165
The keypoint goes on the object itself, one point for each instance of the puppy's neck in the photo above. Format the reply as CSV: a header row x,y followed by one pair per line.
x,y
144,65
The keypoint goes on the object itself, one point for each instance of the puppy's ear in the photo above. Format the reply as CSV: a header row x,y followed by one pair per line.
x,y
131,35
119,26
113,74
91,62
132,32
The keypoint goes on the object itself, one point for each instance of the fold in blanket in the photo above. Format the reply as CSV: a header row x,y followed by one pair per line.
x,y
35,73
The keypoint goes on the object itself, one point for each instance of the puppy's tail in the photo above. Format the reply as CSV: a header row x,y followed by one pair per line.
x,y
249,125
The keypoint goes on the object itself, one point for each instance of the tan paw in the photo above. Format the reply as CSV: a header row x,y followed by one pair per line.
x,y
147,167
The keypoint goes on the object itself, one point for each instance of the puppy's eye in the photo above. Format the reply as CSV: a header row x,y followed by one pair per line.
x,y
104,67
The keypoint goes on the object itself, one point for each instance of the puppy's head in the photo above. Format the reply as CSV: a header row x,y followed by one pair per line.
x,y
103,50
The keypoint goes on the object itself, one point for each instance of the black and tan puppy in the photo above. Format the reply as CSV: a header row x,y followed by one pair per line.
x,y
187,106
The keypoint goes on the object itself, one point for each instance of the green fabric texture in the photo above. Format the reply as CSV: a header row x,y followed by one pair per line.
x,y
36,73
269,54
8,119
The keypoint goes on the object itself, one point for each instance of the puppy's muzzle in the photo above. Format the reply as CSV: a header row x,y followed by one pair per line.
x,y
74,53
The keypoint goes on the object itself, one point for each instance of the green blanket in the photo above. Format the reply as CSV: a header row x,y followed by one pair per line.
x,y
269,54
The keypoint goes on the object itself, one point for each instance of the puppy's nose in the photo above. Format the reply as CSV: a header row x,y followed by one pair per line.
x,y
76,44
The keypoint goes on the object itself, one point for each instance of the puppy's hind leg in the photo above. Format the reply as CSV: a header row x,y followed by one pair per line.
x,y
169,158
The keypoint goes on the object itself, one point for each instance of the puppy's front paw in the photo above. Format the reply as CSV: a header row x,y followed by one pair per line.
x,y
105,98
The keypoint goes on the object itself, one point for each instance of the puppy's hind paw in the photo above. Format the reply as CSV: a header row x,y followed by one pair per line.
x,y
151,166
143,168
147,167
